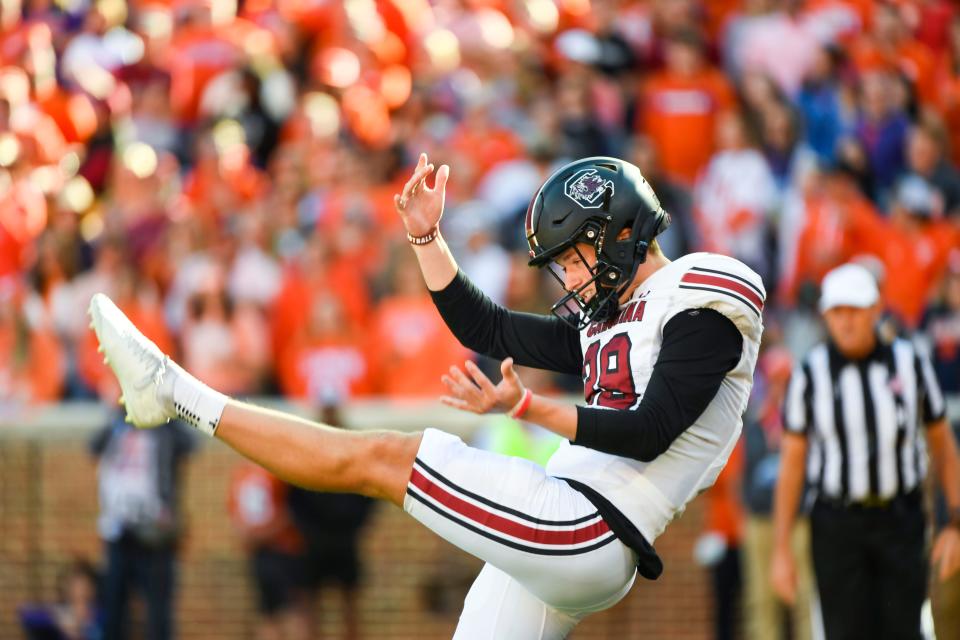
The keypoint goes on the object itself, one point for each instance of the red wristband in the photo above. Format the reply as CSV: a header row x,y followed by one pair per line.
x,y
522,405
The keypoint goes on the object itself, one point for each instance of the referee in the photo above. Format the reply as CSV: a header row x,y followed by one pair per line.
x,y
855,414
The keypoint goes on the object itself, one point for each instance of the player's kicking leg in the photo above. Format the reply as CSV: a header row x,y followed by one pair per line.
x,y
553,557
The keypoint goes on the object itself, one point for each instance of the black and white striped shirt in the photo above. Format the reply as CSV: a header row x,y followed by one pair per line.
x,y
862,419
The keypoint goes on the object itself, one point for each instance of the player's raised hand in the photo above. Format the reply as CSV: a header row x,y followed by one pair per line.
x,y
419,206
473,391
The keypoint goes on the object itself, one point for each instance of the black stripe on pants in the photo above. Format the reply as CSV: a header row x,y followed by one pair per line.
x,y
871,570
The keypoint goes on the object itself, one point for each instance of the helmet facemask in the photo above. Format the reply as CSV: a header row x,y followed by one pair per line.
x,y
607,279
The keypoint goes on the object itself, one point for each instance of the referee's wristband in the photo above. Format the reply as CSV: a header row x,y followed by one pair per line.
x,y
522,405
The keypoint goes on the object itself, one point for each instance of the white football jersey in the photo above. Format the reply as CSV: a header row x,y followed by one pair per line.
x,y
618,359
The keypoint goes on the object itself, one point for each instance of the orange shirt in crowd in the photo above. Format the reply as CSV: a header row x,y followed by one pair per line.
x,y
933,23
41,140
486,148
679,116
148,318
291,306
74,114
312,367
322,19
36,374
914,260
257,502
215,191
23,216
910,56
724,508
413,347
351,219
823,242
198,54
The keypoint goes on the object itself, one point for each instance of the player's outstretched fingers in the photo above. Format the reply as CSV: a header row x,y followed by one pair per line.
x,y
461,378
457,403
460,386
401,199
452,385
463,397
415,182
481,380
471,392
440,182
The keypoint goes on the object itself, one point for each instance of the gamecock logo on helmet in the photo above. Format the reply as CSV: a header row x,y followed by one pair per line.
x,y
586,188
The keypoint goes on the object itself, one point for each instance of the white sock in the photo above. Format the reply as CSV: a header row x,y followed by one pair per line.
x,y
190,400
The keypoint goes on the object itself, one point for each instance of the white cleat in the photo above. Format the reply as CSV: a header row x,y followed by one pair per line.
x,y
138,364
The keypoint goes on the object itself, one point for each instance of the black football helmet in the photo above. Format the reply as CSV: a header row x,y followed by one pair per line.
x,y
592,200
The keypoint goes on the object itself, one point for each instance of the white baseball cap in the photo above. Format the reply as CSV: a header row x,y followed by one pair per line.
x,y
849,285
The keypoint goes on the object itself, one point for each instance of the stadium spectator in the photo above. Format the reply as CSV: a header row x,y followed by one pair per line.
x,y
948,88
331,525
414,348
821,102
227,342
32,362
790,161
925,159
881,127
471,233
139,474
751,15
783,47
316,269
75,615
257,501
735,198
913,246
889,44
328,353
718,548
582,135
680,107
675,198
941,325
764,615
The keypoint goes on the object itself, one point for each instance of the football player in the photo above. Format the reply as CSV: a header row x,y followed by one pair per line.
x,y
666,350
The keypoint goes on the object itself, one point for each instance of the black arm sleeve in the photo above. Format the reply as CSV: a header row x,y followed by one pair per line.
x,y
700,346
543,342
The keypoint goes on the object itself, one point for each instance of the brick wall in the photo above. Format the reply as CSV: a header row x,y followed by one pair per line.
x,y
48,512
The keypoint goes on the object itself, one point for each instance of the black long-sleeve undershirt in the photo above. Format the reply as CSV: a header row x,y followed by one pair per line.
x,y
699,347
532,340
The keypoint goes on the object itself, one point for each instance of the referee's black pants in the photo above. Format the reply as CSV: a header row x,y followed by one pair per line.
x,y
871,569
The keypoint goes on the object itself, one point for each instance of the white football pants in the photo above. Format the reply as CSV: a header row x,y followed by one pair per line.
x,y
551,559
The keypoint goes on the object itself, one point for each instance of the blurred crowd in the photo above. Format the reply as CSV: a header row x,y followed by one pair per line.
x,y
224,169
